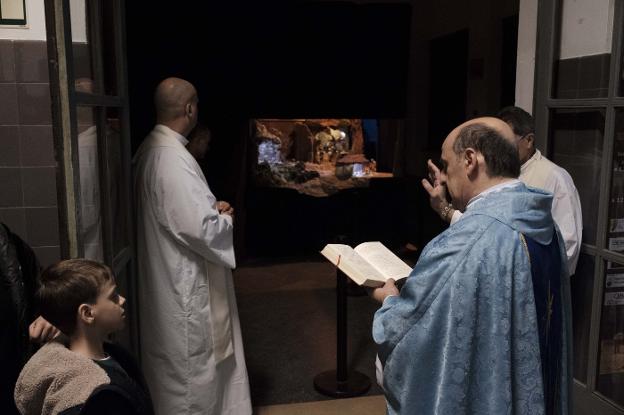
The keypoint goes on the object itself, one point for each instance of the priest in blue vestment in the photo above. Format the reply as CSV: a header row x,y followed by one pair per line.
x,y
482,324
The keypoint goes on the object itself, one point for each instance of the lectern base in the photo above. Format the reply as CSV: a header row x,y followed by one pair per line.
x,y
327,383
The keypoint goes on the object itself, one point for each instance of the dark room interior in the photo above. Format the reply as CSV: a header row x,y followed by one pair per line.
x,y
307,60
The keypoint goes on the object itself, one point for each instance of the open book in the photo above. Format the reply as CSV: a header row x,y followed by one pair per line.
x,y
369,264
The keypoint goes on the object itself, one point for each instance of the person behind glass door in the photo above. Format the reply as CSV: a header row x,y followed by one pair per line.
x,y
90,208
198,145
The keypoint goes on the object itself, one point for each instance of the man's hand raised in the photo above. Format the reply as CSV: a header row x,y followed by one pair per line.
x,y
437,192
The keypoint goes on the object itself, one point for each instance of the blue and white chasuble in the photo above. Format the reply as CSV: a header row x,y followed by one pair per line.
x,y
482,324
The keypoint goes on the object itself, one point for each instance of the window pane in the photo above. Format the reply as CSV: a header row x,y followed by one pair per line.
x,y
91,216
582,288
84,44
581,68
81,45
577,139
118,181
109,33
615,235
610,379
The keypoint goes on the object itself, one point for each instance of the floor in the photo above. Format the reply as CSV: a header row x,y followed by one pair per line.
x,y
367,405
288,320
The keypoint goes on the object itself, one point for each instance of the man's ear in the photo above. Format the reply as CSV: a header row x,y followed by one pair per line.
x,y
189,109
530,139
85,313
470,161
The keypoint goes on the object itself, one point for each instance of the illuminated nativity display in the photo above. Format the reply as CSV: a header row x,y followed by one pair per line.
x,y
317,157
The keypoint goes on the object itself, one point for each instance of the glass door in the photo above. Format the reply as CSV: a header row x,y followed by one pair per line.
x,y
579,113
86,49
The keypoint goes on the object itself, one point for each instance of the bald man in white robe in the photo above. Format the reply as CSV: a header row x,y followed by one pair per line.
x,y
191,345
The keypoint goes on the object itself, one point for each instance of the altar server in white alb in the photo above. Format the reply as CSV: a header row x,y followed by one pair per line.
x,y
536,171
191,345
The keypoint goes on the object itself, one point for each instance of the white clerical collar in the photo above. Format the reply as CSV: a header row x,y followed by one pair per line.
x,y
536,156
493,189
168,131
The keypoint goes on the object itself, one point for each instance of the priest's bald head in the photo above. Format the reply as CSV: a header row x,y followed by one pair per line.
x,y
176,105
477,155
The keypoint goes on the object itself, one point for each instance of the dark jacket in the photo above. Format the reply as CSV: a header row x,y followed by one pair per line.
x,y
19,269
58,381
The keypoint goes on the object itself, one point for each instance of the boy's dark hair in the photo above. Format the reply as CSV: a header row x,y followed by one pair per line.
x,y
67,284
521,122
501,156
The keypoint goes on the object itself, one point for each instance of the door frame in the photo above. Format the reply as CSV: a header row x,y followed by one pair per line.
x,y
587,400
65,100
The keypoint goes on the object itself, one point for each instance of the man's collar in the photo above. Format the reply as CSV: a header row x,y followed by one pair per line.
x,y
168,131
493,189
536,156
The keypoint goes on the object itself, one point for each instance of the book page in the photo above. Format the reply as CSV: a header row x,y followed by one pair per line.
x,y
383,260
351,263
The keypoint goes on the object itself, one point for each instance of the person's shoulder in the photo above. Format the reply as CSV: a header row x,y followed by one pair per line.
x,y
50,352
557,175
54,358
120,354
471,223
108,400
167,159
127,361
161,151
489,224
550,166
158,142
471,219
471,242
493,237
127,390
55,371
460,236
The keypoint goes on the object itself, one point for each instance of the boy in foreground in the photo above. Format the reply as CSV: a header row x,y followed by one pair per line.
x,y
82,374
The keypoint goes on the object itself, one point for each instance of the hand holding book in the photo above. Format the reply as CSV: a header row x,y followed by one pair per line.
x,y
381,293
370,264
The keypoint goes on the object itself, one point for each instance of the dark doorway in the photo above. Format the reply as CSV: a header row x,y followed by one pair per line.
x,y
448,85
508,61
273,59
